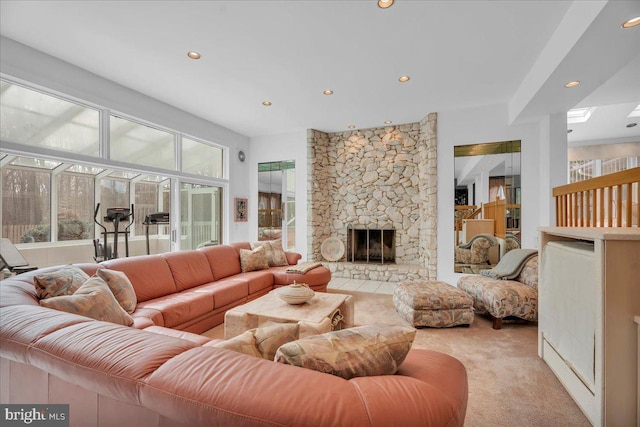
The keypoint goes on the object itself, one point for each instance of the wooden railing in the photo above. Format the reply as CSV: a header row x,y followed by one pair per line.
x,y
463,212
606,201
497,211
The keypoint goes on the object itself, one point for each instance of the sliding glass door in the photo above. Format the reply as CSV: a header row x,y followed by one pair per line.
x,y
200,213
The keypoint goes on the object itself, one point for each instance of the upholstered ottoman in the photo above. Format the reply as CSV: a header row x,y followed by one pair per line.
x,y
433,303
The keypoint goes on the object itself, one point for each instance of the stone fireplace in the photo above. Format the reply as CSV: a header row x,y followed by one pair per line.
x,y
380,178
371,245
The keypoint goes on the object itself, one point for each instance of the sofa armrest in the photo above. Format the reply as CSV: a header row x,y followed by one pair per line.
x,y
188,336
292,257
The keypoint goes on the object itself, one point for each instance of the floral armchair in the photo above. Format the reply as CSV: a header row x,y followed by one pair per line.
x,y
476,251
505,298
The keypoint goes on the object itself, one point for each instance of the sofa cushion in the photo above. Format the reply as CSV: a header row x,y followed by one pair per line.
x,y
64,281
223,260
255,259
150,275
354,352
183,335
189,268
258,280
121,288
180,307
226,291
93,299
144,317
275,254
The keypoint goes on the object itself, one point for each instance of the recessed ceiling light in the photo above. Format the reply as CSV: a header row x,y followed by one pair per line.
x,y
193,55
385,3
572,84
631,22
328,92
630,125
569,130
404,79
351,126
387,122
266,103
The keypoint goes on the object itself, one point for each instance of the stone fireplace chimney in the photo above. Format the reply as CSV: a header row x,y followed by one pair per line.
x,y
375,179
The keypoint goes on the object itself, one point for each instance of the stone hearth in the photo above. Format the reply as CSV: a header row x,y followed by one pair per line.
x,y
376,178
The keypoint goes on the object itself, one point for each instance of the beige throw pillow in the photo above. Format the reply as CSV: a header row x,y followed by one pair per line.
x,y
121,288
270,338
243,343
273,249
348,353
255,259
64,281
262,342
93,299
279,257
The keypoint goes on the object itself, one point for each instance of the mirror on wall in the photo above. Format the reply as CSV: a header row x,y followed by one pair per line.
x,y
276,202
487,213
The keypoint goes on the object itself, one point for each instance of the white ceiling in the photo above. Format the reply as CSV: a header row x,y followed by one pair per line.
x,y
459,54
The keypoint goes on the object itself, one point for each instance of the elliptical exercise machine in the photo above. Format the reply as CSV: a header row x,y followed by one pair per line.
x,y
115,216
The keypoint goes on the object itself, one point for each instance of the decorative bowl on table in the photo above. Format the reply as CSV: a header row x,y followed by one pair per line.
x,y
298,293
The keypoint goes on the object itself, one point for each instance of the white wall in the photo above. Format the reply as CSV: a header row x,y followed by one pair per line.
x,y
463,127
553,165
473,126
272,148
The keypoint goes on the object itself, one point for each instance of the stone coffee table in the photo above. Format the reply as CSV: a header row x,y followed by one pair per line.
x,y
314,316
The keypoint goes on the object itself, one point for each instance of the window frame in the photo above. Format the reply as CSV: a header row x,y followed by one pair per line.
x,y
176,176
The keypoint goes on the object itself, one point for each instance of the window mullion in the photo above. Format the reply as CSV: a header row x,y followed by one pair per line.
x,y
105,141
53,209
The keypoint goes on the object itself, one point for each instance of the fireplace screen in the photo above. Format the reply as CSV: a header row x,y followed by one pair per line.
x,y
371,245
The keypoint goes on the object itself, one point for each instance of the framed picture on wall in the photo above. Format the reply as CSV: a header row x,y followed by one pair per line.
x,y
240,210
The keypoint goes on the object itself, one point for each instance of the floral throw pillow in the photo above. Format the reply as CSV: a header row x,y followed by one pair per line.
x,y
93,299
270,338
255,259
121,288
279,257
244,343
273,249
262,342
64,281
349,353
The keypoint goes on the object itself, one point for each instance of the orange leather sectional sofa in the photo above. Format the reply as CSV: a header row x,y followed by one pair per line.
x,y
161,373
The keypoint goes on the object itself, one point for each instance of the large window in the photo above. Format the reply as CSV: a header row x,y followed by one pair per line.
x,y
201,159
32,118
75,194
26,201
151,196
49,195
579,170
133,142
28,204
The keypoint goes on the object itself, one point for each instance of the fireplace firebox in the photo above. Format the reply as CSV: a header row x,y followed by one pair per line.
x,y
371,245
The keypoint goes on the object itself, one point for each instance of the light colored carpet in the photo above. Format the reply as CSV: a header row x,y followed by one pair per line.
x,y
509,385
